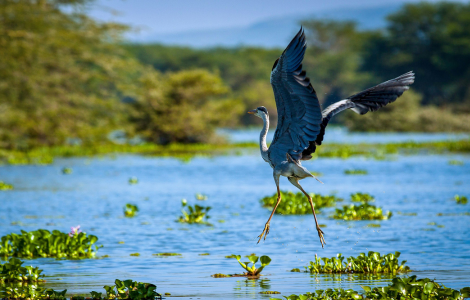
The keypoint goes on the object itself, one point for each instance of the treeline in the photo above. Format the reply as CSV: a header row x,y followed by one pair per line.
x,y
432,39
67,79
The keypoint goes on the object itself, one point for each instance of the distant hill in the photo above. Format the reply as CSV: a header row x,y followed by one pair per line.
x,y
271,33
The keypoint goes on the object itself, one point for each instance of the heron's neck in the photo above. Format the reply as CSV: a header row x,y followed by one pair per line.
x,y
262,137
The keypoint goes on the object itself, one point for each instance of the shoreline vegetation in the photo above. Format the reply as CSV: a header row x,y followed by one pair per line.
x,y
46,155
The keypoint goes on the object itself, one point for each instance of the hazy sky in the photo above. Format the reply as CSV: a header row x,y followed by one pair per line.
x,y
167,16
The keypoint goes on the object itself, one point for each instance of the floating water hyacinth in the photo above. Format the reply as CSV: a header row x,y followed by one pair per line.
x,y
399,288
297,203
133,180
460,199
43,243
66,170
251,271
130,210
5,186
373,263
200,197
74,231
195,215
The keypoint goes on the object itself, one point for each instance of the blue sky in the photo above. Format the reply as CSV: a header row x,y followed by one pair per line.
x,y
169,16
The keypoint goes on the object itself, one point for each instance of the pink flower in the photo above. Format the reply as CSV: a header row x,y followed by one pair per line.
x,y
74,230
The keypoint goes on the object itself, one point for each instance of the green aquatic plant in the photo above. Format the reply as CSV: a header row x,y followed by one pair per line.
x,y
362,197
373,263
133,180
194,215
297,204
355,172
126,289
5,186
455,162
43,243
460,199
167,254
135,254
200,197
13,271
32,292
269,292
130,210
66,170
399,288
132,290
363,211
231,256
253,271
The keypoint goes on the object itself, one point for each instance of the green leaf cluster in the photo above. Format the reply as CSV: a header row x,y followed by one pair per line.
x,y
460,199
297,204
130,210
363,211
5,186
253,271
128,289
400,288
194,215
373,263
43,243
362,197
13,271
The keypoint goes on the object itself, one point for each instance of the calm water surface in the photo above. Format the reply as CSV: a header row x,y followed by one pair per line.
x,y
93,196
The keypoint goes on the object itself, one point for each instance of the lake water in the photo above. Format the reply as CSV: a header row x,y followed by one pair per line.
x,y
93,196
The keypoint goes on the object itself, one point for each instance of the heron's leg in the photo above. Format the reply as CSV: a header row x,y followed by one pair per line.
x,y
266,227
295,182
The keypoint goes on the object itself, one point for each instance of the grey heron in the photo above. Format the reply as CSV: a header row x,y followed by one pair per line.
x,y
300,121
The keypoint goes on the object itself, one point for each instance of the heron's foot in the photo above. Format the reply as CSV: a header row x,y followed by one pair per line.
x,y
265,232
320,235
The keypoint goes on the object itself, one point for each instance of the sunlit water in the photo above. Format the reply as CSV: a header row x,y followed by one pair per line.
x,y
95,193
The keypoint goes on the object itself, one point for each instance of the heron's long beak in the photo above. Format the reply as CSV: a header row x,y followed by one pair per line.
x,y
253,111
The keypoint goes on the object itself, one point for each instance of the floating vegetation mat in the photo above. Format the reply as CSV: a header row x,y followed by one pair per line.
x,y
12,271
400,288
373,263
43,243
46,155
125,289
297,204
363,211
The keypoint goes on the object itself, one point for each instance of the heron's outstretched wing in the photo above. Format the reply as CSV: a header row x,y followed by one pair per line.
x,y
369,100
298,109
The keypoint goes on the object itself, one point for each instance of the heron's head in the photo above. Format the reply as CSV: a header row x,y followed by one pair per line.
x,y
259,111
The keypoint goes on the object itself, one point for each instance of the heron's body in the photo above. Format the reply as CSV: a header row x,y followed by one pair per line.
x,y
301,122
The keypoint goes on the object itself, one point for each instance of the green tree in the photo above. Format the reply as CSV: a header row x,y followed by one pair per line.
x,y
185,106
59,74
433,39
